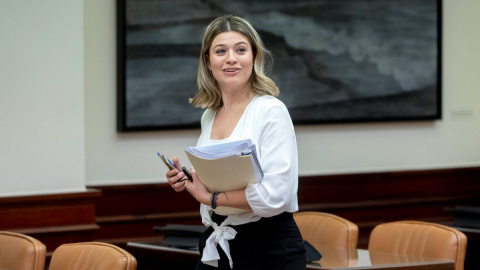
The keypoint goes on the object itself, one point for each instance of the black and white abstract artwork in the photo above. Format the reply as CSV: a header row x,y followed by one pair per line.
x,y
335,61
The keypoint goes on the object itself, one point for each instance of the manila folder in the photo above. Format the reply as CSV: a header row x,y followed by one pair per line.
x,y
224,174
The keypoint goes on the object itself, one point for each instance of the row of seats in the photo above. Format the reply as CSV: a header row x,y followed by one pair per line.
x,y
22,252
412,238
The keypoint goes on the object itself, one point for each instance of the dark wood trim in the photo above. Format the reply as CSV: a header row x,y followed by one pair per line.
x,y
130,218
88,194
58,229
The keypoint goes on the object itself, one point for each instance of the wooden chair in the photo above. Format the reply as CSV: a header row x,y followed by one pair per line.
x,y
333,236
92,256
21,252
416,240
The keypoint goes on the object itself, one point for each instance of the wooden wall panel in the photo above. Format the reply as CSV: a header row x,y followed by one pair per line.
x,y
131,211
128,212
118,214
373,198
53,219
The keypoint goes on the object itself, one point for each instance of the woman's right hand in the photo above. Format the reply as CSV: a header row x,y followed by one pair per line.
x,y
176,178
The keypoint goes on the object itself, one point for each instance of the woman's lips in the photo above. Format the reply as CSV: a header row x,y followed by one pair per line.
x,y
231,70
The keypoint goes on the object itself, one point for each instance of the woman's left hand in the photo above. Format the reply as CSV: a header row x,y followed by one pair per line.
x,y
197,189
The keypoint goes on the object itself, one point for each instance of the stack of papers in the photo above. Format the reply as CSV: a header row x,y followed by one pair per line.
x,y
228,150
227,166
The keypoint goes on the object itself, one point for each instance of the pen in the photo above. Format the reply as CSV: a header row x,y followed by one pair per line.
x,y
187,173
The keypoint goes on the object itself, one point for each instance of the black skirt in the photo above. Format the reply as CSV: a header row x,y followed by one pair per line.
x,y
273,243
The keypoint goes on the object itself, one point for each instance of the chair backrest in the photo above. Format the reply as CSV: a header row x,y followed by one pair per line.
x,y
326,229
92,256
335,237
21,252
421,239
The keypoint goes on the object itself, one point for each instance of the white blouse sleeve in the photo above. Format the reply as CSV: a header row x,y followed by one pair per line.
x,y
277,192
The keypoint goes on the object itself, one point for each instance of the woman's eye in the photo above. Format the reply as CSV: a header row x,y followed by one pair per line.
x,y
220,51
241,50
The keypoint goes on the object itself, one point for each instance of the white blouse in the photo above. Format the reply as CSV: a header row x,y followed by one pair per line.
x,y
267,123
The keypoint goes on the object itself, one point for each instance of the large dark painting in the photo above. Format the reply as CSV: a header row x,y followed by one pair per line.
x,y
335,61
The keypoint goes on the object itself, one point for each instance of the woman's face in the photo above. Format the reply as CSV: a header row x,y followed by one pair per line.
x,y
231,60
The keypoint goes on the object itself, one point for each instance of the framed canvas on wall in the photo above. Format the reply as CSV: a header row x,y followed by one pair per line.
x,y
334,61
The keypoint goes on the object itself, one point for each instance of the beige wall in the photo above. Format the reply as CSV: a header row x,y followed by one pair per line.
x,y
58,98
42,126
323,149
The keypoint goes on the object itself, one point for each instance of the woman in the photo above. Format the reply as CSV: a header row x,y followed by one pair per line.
x,y
240,104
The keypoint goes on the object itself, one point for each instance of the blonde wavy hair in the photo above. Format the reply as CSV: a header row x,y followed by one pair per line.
x,y
208,94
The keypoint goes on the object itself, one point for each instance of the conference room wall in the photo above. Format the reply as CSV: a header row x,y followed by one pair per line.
x,y
128,158
42,122
58,98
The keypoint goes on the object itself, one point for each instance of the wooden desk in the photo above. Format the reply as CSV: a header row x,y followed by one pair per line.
x,y
154,255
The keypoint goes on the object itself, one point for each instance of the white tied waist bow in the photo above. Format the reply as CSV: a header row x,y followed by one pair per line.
x,y
221,234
